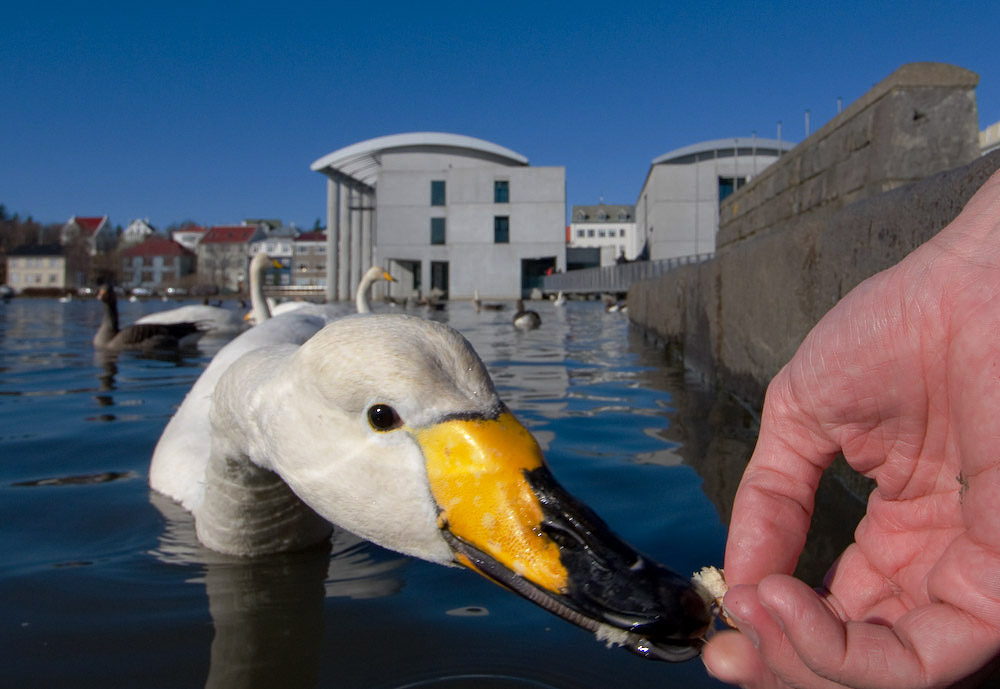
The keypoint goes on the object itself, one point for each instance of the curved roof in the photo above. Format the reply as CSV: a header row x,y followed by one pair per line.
x,y
361,161
725,146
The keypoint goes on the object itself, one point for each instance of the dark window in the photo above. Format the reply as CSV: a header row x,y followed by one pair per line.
x,y
727,185
501,229
437,192
437,230
501,191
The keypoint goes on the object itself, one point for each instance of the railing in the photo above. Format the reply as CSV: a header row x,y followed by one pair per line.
x,y
617,278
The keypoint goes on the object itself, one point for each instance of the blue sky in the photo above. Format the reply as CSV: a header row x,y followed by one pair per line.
x,y
213,112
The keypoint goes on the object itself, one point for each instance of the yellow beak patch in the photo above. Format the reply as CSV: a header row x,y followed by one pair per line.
x,y
477,471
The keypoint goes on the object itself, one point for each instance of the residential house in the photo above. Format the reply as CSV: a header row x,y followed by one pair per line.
x,y
36,266
188,236
224,256
609,230
96,232
309,260
156,263
138,230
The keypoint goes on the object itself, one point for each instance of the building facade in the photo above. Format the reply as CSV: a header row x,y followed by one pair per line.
x,y
446,215
95,231
607,227
156,263
677,212
138,231
37,266
224,256
309,260
188,236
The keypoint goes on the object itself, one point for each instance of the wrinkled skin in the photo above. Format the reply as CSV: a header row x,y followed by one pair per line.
x,y
903,376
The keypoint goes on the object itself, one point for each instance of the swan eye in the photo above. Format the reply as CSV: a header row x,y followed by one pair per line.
x,y
382,417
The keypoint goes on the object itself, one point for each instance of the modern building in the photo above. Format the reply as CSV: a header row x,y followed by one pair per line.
x,y
224,256
156,263
444,213
677,212
38,266
606,227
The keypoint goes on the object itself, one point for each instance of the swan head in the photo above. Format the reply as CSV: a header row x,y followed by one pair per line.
x,y
390,427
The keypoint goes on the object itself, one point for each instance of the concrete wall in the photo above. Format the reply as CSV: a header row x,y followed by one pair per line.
x,y
818,222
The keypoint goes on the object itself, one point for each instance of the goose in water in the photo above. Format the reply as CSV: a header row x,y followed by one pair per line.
x,y
480,306
140,336
526,319
390,427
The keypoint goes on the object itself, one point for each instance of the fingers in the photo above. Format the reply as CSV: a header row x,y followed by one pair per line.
x,y
800,641
774,502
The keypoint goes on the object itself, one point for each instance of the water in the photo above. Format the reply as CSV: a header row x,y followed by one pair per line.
x,y
102,583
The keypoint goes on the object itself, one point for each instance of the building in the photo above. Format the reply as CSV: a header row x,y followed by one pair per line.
x,y
36,266
137,231
156,263
224,256
188,236
278,242
610,229
309,260
677,212
444,213
989,138
96,232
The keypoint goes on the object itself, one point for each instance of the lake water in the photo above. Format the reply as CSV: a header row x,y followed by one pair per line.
x,y
103,585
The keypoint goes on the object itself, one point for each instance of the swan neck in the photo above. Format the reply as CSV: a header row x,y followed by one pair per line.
x,y
109,323
248,510
361,298
261,310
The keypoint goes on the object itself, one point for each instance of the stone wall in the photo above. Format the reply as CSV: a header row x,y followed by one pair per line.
x,y
852,199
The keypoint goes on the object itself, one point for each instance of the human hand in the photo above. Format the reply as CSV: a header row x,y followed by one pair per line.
x,y
903,377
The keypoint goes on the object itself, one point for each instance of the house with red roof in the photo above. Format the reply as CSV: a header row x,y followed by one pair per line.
x,y
224,255
156,263
95,231
188,236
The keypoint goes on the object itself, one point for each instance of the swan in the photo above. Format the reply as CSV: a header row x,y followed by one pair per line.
x,y
560,299
389,426
361,303
182,449
140,336
526,319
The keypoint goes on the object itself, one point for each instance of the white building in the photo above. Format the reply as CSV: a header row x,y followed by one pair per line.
x,y
677,212
606,227
442,212
188,236
138,231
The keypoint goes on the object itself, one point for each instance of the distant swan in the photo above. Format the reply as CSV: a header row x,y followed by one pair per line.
x,y
526,319
560,299
141,336
390,427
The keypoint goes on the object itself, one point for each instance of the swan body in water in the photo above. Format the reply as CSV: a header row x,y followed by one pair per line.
x,y
525,319
389,427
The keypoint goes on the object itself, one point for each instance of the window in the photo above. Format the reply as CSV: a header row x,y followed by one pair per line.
x,y
727,185
437,192
590,233
621,232
437,230
580,233
501,191
501,229
600,233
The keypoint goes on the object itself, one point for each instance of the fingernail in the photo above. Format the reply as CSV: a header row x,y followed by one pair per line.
x,y
743,626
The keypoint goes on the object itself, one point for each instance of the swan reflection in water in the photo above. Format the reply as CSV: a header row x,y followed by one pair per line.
x,y
267,612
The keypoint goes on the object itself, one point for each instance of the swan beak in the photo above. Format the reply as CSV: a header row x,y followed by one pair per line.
x,y
504,516
388,277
